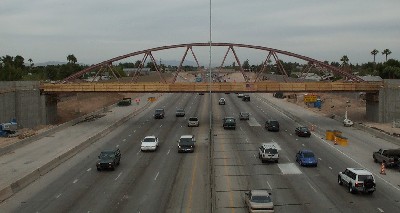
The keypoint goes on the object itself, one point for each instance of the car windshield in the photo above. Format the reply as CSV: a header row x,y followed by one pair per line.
x,y
304,129
244,113
261,199
193,119
185,141
364,177
275,123
271,151
179,110
308,155
230,120
159,111
106,155
149,140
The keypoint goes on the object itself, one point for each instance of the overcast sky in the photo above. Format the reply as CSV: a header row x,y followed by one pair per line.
x,y
97,30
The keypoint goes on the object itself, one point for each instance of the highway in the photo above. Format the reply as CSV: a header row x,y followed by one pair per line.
x,y
216,175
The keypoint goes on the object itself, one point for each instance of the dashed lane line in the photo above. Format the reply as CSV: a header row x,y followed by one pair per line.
x,y
118,176
75,181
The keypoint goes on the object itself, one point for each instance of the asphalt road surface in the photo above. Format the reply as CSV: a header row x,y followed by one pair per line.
x,y
216,175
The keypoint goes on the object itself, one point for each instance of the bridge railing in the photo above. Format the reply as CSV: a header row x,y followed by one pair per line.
x,y
214,87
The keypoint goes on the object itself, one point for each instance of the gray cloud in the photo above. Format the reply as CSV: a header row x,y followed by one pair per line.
x,y
96,30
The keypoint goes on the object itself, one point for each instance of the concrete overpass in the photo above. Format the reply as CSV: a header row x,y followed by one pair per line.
x,y
245,87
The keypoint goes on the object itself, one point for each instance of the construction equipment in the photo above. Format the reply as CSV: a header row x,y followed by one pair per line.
x,y
8,129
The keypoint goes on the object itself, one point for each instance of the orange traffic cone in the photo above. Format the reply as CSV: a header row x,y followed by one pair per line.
x,y
312,127
383,169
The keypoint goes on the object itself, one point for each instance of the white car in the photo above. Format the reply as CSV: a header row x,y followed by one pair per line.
x,y
149,143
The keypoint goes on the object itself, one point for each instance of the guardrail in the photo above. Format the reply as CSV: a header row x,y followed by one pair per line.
x,y
266,87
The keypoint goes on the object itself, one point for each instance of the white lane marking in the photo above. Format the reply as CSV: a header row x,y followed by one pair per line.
x,y
303,144
269,185
124,140
138,152
134,131
168,151
129,135
117,145
241,129
254,155
289,168
88,170
319,159
376,175
160,125
379,209
76,180
156,175
118,176
58,196
330,168
287,158
247,140
312,187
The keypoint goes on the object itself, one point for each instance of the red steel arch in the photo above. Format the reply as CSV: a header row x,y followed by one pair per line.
x,y
272,52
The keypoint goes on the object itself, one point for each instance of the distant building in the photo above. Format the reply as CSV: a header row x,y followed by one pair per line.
x,y
132,71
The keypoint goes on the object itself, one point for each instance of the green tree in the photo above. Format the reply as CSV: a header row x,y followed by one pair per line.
x,y
71,59
246,65
374,52
345,60
386,52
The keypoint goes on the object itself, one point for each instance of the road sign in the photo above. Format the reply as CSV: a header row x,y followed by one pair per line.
x,y
310,98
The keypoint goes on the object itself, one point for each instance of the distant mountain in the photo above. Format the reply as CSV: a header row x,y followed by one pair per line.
x,y
52,63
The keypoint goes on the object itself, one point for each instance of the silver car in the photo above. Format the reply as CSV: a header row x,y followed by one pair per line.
x,y
244,116
193,121
258,201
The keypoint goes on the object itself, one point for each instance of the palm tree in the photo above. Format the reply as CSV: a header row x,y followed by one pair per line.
x,y
30,61
386,52
71,59
344,60
374,52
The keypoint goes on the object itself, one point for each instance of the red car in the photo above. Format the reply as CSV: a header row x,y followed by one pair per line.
x,y
302,131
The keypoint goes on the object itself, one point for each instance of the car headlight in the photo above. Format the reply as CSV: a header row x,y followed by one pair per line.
x,y
109,163
179,146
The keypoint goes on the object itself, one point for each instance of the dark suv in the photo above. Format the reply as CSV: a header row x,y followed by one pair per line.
x,y
246,98
159,114
229,123
272,125
108,159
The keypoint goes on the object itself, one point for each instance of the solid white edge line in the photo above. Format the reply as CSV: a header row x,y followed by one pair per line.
x,y
379,209
312,187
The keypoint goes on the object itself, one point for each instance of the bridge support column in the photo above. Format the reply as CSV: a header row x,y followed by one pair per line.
x,y
388,102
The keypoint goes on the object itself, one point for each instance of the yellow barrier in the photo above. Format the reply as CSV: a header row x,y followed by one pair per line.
x,y
336,137
329,135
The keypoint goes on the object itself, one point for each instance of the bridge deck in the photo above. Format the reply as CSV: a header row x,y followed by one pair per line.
x,y
267,87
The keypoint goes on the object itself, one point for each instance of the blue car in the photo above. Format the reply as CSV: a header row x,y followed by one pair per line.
x,y
306,158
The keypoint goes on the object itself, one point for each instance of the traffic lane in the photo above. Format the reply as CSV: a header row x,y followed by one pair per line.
x,y
191,190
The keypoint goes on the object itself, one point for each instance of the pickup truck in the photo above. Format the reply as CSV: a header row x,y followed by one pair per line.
x,y
390,157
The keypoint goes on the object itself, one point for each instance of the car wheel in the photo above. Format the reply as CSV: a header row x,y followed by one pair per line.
x,y
370,192
98,169
340,182
276,161
375,160
351,189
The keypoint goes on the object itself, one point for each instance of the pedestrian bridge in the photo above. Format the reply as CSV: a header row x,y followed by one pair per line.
x,y
190,87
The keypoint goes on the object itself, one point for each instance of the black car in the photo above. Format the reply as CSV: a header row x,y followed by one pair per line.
x,y
108,159
272,125
229,123
159,114
246,98
302,131
186,143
